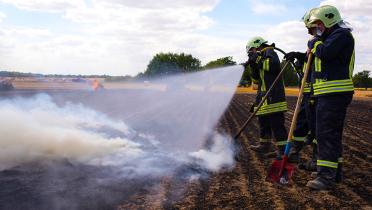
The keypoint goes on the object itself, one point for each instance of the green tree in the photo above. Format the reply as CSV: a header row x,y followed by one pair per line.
x,y
246,79
289,76
221,62
362,80
171,63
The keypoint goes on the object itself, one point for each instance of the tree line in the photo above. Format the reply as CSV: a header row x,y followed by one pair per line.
x,y
164,64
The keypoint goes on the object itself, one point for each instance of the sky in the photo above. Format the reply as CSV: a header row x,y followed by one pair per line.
x,y
119,37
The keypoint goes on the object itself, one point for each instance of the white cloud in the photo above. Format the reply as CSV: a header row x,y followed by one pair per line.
x,y
116,37
268,8
120,36
358,13
2,16
290,36
201,5
355,8
46,5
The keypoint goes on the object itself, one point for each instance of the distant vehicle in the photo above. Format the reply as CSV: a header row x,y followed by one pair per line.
x,y
78,80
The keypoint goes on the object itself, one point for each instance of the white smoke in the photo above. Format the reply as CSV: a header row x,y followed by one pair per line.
x,y
153,133
36,129
221,154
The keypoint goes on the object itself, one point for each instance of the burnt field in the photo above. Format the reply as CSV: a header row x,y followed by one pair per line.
x,y
242,187
245,187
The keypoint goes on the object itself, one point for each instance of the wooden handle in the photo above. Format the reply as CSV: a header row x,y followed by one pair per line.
x,y
300,96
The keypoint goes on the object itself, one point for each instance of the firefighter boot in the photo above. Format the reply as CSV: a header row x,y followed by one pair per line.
x,y
320,183
294,153
310,165
280,152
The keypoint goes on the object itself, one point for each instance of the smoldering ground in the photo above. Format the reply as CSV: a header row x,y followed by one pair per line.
x,y
94,150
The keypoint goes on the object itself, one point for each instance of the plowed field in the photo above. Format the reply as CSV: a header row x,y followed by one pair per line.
x,y
242,187
245,187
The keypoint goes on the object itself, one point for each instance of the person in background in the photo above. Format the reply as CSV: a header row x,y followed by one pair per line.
x,y
265,67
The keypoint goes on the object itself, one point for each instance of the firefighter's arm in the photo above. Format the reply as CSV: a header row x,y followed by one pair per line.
x,y
271,64
332,46
255,75
255,65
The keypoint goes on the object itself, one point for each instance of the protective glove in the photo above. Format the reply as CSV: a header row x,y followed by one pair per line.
x,y
252,61
298,68
252,57
291,56
311,43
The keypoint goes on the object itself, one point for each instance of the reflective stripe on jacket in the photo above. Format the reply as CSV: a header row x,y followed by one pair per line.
x,y
334,63
269,68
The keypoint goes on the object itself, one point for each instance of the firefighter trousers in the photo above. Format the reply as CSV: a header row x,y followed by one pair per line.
x,y
330,117
273,125
302,125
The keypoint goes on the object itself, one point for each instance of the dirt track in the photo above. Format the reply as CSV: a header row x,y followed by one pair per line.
x,y
245,187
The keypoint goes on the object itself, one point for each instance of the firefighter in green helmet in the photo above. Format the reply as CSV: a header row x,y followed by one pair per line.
x,y
334,54
304,134
265,67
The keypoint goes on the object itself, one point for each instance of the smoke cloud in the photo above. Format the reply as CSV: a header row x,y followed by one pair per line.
x,y
114,141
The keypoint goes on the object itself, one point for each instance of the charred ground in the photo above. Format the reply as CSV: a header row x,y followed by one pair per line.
x,y
243,187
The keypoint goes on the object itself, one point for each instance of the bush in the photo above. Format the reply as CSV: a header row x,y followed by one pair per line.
x,y
362,80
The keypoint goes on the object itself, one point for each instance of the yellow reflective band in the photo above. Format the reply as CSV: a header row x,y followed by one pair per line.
x,y
315,46
318,64
335,86
258,59
334,90
264,140
271,111
271,108
262,76
326,163
351,65
274,105
322,84
304,67
281,143
266,64
297,138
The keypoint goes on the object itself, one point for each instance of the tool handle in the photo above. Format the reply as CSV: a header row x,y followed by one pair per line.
x,y
298,104
262,101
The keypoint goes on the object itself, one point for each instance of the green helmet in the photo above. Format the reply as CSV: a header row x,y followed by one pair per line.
x,y
255,42
328,14
307,16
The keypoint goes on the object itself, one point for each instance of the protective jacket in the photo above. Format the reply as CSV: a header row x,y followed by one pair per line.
x,y
334,63
265,71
